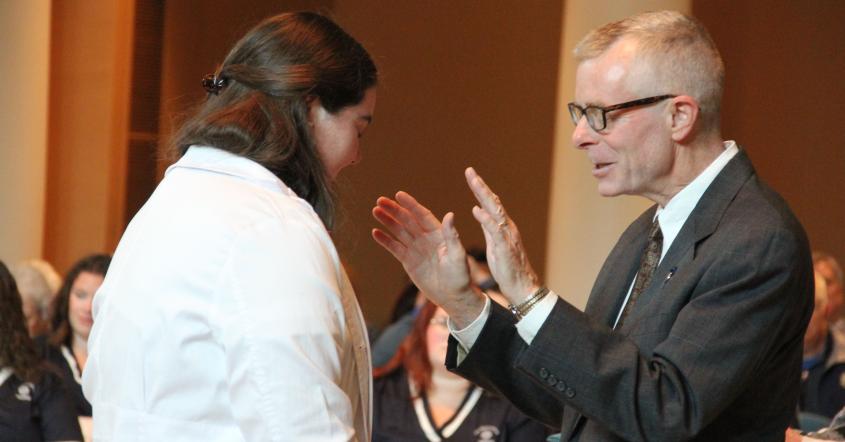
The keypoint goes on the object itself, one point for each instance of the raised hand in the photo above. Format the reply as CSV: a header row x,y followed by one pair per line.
x,y
505,253
431,253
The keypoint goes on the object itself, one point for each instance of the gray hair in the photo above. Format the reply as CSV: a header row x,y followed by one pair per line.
x,y
33,278
678,51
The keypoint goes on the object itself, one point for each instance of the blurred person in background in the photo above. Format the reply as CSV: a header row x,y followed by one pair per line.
x,y
824,347
417,399
36,293
34,403
826,265
71,321
404,312
823,366
51,276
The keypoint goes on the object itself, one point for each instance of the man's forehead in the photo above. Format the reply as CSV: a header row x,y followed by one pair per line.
x,y
606,79
600,80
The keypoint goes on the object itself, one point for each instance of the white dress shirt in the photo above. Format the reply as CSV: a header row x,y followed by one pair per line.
x,y
672,219
227,316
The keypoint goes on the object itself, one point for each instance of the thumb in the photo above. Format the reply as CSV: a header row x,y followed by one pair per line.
x,y
450,236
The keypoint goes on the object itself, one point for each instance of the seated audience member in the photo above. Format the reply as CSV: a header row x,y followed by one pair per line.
x,y
834,431
36,293
830,269
823,374
34,404
70,323
416,399
51,276
401,321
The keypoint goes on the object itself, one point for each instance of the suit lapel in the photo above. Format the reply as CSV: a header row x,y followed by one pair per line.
x,y
609,292
618,271
702,222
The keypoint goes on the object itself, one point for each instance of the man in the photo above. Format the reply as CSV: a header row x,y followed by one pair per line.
x,y
694,326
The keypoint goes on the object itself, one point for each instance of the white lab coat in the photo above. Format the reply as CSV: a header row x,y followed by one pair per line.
x,y
226,315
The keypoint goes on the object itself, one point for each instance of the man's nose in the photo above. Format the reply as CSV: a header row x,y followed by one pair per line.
x,y
583,135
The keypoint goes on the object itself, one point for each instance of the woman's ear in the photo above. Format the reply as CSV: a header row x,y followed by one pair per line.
x,y
314,106
685,111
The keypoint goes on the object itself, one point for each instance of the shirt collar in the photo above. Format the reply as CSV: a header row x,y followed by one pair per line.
x,y
5,373
219,161
675,214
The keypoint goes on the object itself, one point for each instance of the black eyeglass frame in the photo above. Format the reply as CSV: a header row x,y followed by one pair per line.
x,y
576,111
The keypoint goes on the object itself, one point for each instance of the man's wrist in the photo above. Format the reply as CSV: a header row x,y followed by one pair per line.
x,y
522,294
467,308
521,310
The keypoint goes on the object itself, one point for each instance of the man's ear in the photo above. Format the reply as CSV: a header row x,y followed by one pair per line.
x,y
685,112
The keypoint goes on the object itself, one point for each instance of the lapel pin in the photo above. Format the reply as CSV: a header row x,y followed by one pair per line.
x,y
670,274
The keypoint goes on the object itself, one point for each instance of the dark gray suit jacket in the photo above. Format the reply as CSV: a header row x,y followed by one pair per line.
x,y
711,350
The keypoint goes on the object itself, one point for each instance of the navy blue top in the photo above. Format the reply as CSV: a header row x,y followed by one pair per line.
x,y
42,411
487,418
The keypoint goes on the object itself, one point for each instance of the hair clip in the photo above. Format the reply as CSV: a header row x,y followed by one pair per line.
x,y
212,83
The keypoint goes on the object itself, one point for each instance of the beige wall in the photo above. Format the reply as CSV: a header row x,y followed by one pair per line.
x,y
462,84
24,56
88,128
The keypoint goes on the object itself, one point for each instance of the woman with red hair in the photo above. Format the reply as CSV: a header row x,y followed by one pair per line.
x,y
417,399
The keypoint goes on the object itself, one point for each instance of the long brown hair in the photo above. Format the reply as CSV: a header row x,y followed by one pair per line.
x,y
17,350
260,109
412,354
60,332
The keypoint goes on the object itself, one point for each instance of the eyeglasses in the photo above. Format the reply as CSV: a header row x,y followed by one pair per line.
x,y
597,115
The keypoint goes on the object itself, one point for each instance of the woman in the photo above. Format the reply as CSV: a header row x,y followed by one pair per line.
x,y
227,314
70,324
417,399
34,405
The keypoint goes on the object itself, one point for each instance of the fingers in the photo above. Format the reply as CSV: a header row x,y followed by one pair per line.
x,y
382,214
450,236
489,225
409,213
391,245
484,219
488,200
406,222
421,214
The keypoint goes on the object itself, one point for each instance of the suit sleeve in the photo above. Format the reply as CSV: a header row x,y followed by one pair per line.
x,y
746,305
522,428
282,330
489,364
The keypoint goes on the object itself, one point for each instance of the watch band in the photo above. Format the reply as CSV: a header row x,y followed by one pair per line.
x,y
519,311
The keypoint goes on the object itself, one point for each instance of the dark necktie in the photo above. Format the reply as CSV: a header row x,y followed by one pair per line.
x,y
648,264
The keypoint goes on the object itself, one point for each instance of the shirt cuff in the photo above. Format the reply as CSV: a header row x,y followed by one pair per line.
x,y
531,323
467,336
